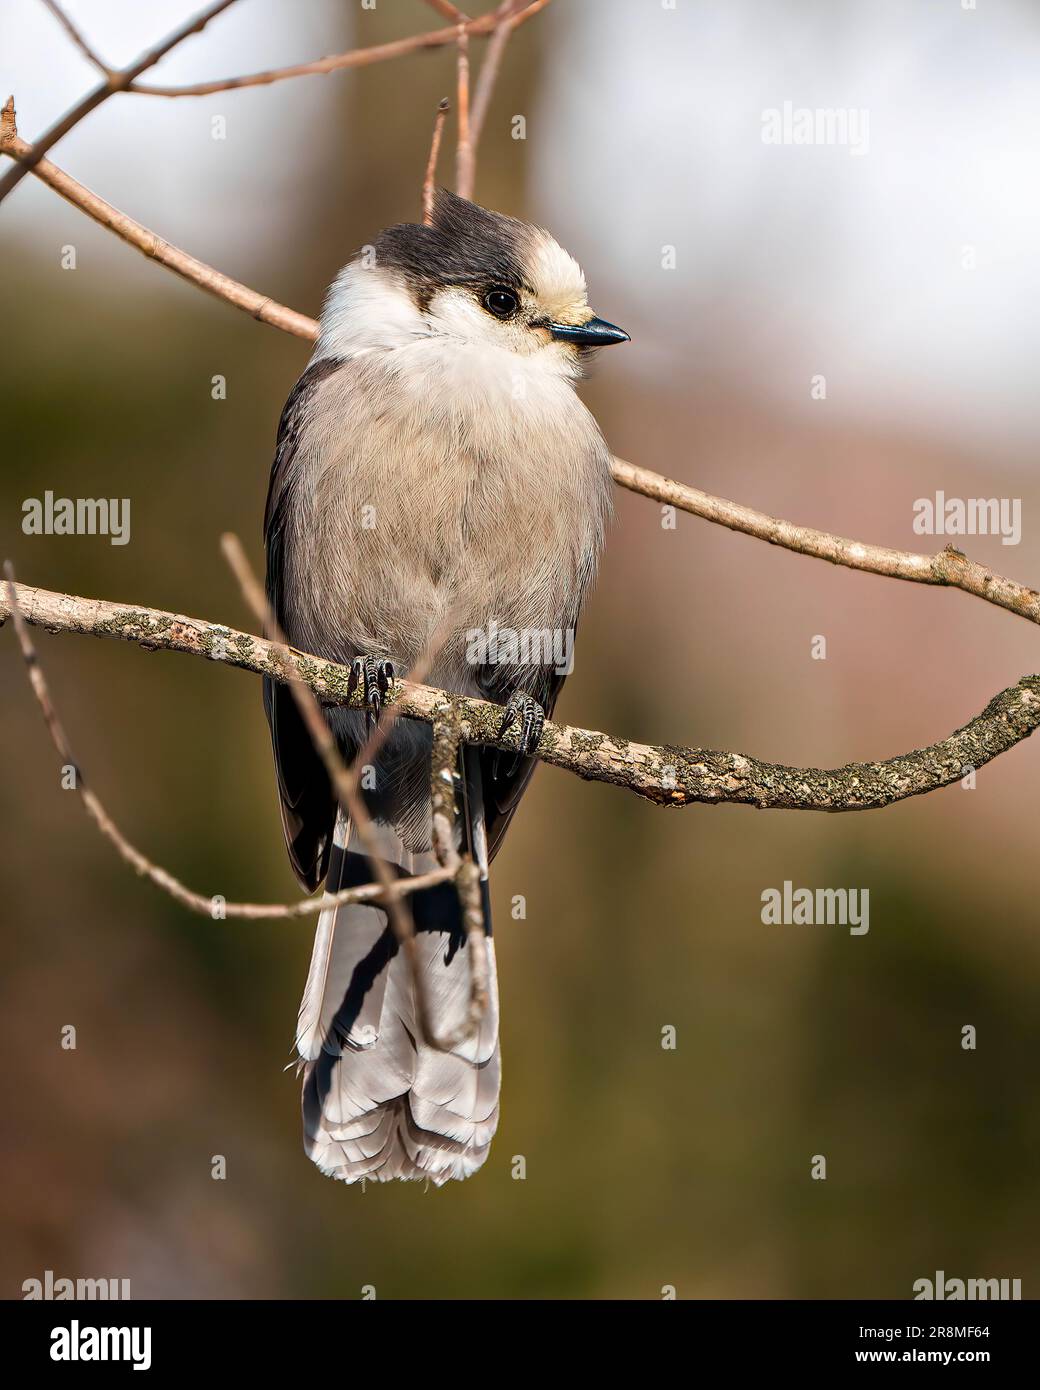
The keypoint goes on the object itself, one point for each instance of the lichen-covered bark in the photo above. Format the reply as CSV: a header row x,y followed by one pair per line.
x,y
668,775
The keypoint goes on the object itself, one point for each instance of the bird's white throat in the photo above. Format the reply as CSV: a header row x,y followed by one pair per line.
x,y
370,310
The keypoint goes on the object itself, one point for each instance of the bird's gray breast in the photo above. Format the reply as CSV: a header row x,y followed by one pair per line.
x,y
423,509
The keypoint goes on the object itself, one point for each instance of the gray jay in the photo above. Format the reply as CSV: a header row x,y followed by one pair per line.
x,y
434,471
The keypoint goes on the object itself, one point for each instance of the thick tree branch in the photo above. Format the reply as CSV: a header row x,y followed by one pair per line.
x,y
666,774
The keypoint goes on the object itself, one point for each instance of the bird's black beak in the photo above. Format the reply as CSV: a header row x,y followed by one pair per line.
x,y
596,333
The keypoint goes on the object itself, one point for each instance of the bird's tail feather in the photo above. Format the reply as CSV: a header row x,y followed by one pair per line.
x,y
378,1101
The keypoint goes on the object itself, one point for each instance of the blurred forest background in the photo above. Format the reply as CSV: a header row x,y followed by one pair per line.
x,y
645,1167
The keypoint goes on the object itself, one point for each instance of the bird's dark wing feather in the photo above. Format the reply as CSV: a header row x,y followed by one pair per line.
x,y
503,790
307,800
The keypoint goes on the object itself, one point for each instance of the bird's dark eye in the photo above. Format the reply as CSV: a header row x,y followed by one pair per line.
x,y
502,303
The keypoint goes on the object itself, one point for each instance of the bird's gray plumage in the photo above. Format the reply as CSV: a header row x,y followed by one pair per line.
x,y
434,467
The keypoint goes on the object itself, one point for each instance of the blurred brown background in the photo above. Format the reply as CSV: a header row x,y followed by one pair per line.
x,y
645,1167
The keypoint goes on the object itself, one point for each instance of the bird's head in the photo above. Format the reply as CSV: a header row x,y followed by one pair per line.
x,y
472,276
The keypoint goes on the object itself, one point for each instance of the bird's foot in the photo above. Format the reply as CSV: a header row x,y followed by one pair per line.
x,y
373,676
524,710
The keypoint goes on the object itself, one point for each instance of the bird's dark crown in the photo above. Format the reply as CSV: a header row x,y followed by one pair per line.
x,y
465,245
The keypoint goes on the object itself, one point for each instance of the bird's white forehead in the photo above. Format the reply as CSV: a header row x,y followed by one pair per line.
x,y
557,279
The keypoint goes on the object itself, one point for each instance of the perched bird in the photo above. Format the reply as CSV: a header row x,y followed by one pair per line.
x,y
435,472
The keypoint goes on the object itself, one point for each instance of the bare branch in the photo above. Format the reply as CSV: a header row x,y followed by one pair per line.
x,y
76,37
464,165
526,12
417,674
431,164
337,62
489,70
207,906
949,567
665,774
152,245
115,81
467,884
448,11
344,781
444,762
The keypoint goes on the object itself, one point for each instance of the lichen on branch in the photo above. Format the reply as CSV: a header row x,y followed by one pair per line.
x,y
669,775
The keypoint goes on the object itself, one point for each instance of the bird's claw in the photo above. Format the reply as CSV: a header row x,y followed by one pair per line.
x,y
526,711
373,675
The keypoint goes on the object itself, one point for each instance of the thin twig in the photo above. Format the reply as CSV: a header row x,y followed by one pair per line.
x,y
430,178
206,906
344,781
467,885
950,567
417,675
489,70
528,12
336,62
464,167
668,775
448,11
76,37
445,748
115,81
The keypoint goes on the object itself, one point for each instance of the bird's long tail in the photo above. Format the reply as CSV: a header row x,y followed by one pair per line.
x,y
378,1101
